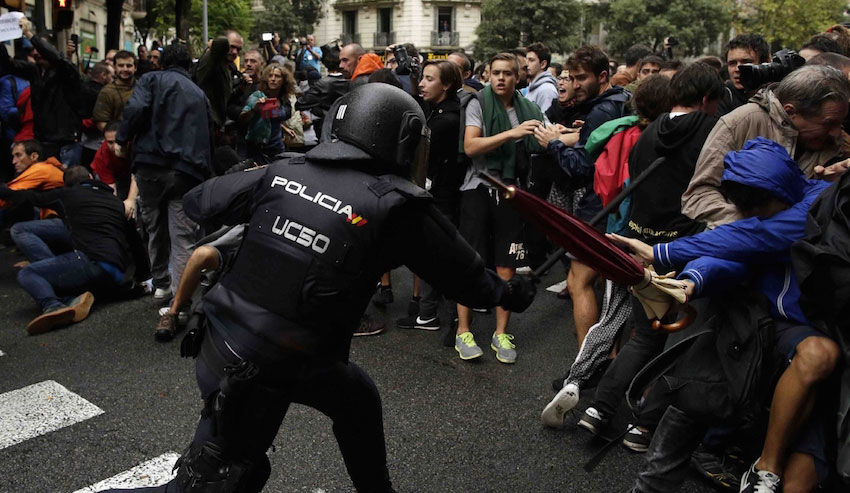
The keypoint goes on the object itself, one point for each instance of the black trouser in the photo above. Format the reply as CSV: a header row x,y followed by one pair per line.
x,y
253,411
429,305
644,345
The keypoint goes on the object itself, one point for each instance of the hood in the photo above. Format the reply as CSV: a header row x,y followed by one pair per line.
x,y
770,103
368,63
764,164
544,78
53,162
616,94
673,132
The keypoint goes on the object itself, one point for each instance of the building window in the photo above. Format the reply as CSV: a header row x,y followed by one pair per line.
x,y
349,22
384,35
445,19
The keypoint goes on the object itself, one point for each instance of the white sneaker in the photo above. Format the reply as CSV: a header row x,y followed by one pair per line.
x,y
162,293
554,412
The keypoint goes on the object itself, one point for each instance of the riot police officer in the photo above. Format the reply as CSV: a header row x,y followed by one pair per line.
x,y
322,229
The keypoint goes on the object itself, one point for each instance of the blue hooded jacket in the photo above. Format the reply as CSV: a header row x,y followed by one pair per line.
x,y
755,246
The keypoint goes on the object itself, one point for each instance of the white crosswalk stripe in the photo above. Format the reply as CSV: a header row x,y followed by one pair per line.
x,y
154,472
38,409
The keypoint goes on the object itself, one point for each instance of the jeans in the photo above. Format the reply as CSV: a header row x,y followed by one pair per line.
x,y
67,274
71,154
35,238
668,458
171,234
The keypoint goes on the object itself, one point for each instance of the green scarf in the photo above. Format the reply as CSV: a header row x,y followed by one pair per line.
x,y
495,117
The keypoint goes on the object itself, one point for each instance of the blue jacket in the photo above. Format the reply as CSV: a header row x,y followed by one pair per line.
x,y
753,247
9,103
574,161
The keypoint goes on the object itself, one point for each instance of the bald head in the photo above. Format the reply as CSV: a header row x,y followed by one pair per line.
x,y
348,58
235,40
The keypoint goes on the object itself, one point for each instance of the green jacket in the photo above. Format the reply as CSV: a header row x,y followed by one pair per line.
x,y
111,101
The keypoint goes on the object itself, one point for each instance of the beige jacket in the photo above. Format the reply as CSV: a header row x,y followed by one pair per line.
x,y
762,116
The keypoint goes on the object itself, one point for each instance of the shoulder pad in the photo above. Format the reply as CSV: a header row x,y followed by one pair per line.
x,y
389,183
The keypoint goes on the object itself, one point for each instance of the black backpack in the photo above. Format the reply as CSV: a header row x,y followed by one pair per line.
x,y
724,370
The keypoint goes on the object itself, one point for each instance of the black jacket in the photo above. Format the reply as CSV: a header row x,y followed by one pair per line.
x,y
445,173
732,98
95,218
321,95
656,210
56,102
327,232
169,122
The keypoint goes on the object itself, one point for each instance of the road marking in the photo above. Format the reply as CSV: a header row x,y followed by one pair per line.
x,y
557,288
154,472
38,409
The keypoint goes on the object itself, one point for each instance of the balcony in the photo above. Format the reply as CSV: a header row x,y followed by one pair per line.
x,y
347,38
383,39
445,38
370,3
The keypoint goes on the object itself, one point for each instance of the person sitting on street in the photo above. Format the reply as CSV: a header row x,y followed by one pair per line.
x,y
102,239
33,174
773,195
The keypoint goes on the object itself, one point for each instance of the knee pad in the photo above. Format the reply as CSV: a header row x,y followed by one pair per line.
x,y
205,469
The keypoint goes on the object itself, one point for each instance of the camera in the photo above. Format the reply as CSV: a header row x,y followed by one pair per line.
x,y
267,36
407,65
784,62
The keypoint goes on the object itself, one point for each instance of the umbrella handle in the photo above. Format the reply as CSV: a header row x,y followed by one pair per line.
x,y
684,322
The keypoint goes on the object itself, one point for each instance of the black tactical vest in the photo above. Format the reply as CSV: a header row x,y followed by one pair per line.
x,y
307,266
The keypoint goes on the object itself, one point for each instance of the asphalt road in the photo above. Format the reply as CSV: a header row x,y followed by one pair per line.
x,y
451,426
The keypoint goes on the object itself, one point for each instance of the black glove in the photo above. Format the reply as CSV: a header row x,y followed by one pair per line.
x,y
519,295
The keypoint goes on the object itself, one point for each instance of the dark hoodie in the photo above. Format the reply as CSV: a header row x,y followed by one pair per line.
x,y
656,213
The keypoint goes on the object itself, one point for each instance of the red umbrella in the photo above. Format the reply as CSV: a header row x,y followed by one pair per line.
x,y
592,248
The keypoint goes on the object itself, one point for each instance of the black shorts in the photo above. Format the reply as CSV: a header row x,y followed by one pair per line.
x,y
493,227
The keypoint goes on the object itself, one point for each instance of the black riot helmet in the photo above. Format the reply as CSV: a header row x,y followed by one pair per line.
x,y
377,123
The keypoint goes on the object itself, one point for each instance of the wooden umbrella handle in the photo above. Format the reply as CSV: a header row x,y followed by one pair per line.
x,y
688,319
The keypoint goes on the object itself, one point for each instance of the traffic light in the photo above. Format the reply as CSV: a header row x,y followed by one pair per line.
x,y
63,14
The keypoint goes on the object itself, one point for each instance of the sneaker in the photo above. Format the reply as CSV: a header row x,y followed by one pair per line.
x,y
52,318
718,468
592,420
481,310
82,306
161,293
413,306
466,347
416,322
383,297
554,412
369,326
755,481
505,352
166,327
637,440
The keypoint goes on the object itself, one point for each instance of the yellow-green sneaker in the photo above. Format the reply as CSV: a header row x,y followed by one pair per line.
x,y
466,347
505,352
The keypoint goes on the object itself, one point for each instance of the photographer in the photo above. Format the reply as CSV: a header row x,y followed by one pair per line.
x,y
309,55
803,113
741,50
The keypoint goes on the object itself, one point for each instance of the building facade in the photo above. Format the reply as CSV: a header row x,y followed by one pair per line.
x,y
89,24
436,27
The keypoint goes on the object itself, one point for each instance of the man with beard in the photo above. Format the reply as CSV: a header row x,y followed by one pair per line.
x,y
114,96
588,68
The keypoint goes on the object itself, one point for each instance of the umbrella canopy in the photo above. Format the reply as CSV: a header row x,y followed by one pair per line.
x,y
577,237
